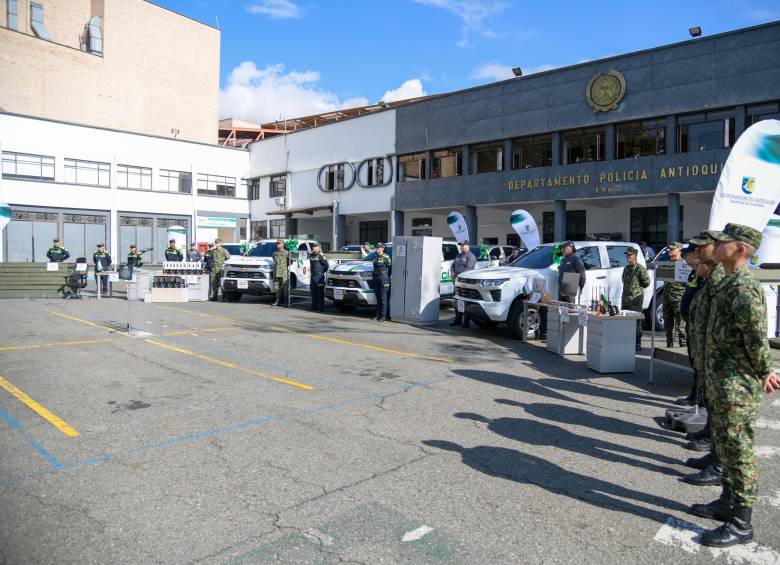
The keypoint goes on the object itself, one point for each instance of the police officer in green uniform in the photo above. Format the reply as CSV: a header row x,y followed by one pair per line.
x,y
738,365
318,266
134,259
102,260
172,253
57,253
281,273
635,280
218,257
673,293
381,280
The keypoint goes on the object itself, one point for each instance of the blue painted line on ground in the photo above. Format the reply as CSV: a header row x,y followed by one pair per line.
x,y
31,440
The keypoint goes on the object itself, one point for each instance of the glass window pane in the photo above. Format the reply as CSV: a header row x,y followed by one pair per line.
x,y
617,255
590,256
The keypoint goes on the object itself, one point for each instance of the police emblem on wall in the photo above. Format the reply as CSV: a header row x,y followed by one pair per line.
x,y
605,92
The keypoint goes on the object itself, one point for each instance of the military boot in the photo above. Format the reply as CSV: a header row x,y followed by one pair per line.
x,y
709,476
736,530
704,444
699,462
701,434
720,509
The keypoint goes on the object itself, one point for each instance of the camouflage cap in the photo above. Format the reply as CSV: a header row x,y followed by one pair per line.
x,y
631,251
739,232
703,238
675,245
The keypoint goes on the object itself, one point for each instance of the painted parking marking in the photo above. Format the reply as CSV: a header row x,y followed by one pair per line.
x,y
31,440
416,534
56,344
770,499
767,451
686,536
229,365
87,322
768,424
200,330
39,409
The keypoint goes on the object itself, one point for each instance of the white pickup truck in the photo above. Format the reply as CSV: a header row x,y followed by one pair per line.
x,y
493,296
251,273
348,285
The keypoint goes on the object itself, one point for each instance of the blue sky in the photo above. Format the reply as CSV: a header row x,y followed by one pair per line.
x,y
297,57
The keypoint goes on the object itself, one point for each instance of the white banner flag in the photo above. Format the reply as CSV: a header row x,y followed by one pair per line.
x,y
526,228
769,252
457,224
749,188
5,214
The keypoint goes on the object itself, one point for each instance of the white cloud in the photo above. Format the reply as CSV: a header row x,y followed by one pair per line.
x,y
494,71
412,88
472,13
262,95
276,9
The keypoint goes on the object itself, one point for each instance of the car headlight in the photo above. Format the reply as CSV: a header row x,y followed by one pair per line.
x,y
494,282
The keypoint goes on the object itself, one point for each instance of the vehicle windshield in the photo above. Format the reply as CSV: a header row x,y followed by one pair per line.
x,y
233,249
371,256
263,249
539,258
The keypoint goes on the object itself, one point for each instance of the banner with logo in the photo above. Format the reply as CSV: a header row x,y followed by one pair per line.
x,y
178,233
769,252
748,191
5,215
526,228
458,226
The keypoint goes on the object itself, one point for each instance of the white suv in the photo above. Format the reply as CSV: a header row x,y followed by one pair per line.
x,y
492,296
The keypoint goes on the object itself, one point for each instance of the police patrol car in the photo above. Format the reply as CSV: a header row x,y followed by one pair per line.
x,y
349,284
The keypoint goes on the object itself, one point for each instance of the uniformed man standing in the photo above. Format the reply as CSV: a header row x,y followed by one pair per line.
x,y
570,263
172,253
281,273
465,261
381,280
695,282
102,261
318,266
218,258
193,255
672,296
57,253
738,365
134,259
635,280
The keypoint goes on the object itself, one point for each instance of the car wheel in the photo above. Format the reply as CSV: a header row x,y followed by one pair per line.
x,y
231,295
515,323
341,307
485,323
659,317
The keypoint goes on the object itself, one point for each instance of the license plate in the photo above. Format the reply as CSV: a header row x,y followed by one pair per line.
x,y
460,305
243,284
338,294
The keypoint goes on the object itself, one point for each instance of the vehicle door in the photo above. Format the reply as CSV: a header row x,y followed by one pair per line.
x,y
616,257
301,263
448,253
595,271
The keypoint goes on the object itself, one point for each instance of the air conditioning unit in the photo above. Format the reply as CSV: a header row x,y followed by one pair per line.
x,y
280,200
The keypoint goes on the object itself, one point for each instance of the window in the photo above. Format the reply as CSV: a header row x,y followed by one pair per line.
x,y
447,163
590,256
92,40
538,258
36,22
175,181
411,167
650,225
487,157
278,186
449,251
277,229
575,225
617,255
12,10
27,166
583,145
640,139
260,229
374,172
215,185
705,131
422,226
87,172
129,176
762,112
333,177
530,152
512,239
373,231
253,189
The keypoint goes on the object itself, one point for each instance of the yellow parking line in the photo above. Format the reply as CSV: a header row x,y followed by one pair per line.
x,y
200,330
56,344
87,322
229,365
363,345
42,411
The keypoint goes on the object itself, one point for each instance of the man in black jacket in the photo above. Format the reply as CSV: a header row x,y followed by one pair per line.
x,y
193,255
57,253
464,262
172,253
318,266
570,263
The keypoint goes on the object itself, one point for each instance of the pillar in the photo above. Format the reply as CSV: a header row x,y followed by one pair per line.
x,y
290,227
339,228
466,160
556,148
507,154
471,223
559,223
671,135
396,220
609,142
740,116
673,217
428,164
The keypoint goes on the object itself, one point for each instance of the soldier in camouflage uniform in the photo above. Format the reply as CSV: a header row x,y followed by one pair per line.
x,y
635,280
673,293
737,365
281,273
218,257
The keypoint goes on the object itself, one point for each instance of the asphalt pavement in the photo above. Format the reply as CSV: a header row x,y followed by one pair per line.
x,y
243,433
